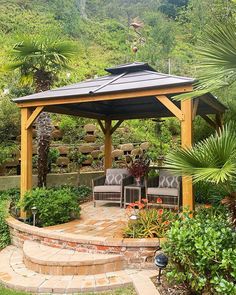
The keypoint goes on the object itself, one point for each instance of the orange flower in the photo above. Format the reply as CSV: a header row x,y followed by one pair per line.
x,y
159,200
167,222
160,211
208,206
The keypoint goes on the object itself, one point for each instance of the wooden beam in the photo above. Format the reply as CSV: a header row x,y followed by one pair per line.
x,y
108,145
102,126
209,121
33,116
64,111
171,106
219,121
195,107
117,125
208,100
106,97
186,141
26,154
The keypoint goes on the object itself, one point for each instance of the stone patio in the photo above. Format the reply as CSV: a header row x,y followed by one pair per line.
x,y
104,220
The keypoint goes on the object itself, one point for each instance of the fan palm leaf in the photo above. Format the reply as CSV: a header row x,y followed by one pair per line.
x,y
213,159
217,60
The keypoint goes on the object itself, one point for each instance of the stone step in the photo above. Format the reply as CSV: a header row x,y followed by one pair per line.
x,y
53,261
14,274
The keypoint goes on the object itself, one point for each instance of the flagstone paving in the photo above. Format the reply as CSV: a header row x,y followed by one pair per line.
x,y
104,220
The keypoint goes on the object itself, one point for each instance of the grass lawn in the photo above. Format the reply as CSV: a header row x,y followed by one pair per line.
x,y
123,291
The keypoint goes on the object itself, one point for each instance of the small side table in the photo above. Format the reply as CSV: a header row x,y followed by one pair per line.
x,y
133,193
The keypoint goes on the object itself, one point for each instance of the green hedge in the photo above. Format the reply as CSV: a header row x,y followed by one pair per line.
x,y
54,206
202,252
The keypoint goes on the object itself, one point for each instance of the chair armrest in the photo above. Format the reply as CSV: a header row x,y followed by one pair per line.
x,y
99,180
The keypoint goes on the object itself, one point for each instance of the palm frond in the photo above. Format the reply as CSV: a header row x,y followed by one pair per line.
x,y
217,60
213,159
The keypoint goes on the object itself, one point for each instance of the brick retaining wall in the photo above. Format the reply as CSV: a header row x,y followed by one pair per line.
x,y
137,253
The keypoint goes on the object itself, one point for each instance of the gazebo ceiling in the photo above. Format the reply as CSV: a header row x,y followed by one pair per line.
x,y
138,79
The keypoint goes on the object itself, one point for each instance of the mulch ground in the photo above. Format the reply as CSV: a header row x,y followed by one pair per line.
x,y
170,289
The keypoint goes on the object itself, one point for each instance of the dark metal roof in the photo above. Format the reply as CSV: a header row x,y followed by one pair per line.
x,y
124,78
129,77
130,67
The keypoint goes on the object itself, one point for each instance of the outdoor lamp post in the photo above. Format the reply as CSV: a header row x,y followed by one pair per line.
x,y
34,212
161,261
133,218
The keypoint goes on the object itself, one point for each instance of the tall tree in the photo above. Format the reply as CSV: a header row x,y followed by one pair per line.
x,y
40,61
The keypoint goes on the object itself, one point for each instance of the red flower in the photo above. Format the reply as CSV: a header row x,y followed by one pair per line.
x,y
159,200
160,211
145,200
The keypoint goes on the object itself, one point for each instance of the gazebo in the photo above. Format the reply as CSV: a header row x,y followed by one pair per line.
x,y
129,91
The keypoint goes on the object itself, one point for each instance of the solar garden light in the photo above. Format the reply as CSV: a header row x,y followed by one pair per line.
x,y
34,211
161,261
133,218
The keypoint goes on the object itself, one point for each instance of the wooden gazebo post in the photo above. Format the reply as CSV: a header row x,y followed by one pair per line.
x,y
26,154
186,141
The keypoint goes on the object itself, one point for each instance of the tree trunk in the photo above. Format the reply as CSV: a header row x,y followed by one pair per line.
x,y
44,130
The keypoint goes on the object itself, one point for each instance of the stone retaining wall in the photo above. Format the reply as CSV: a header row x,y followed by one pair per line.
x,y
74,179
138,253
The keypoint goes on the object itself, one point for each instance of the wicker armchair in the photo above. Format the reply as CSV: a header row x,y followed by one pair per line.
x,y
111,192
166,187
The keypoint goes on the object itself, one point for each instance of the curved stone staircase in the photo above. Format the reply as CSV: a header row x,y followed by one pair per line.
x,y
42,269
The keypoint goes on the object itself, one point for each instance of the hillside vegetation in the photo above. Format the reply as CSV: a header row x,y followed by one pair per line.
x,y
101,32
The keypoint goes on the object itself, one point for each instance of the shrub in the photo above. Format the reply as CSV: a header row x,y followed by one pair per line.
x,y
82,192
202,252
12,196
4,230
151,223
206,193
54,206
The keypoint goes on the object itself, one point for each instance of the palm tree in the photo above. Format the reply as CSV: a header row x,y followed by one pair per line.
x,y
212,160
39,62
217,59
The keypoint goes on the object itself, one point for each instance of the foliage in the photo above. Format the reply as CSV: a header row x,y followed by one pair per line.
x,y
202,252
54,205
139,167
12,196
120,291
40,60
206,193
4,230
151,223
72,128
82,192
212,160
6,152
9,121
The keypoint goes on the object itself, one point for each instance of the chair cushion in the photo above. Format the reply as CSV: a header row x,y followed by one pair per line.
x,y
107,189
115,176
162,191
167,180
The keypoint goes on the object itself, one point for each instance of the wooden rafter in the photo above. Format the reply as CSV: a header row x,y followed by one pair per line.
x,y
105,97
101,126
33,116
195,107
171,106
209,121
117,125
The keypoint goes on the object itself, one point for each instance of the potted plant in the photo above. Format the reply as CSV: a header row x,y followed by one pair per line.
x,y
138,169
